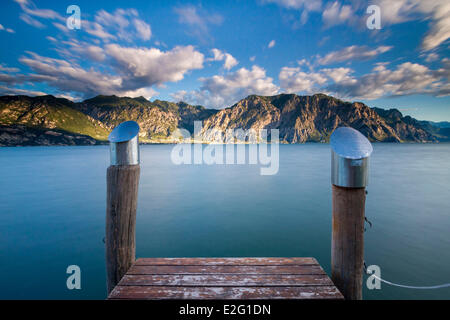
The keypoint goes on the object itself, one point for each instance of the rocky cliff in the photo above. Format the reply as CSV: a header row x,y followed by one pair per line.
x,y
313,118
47,120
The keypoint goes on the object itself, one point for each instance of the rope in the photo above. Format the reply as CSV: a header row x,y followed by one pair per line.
x,y
439,286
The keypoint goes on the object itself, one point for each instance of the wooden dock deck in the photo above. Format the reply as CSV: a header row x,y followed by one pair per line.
x,y
225,278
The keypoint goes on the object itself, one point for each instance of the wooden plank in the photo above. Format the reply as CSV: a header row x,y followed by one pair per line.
x,y
226,280
226,261
164,292
163,269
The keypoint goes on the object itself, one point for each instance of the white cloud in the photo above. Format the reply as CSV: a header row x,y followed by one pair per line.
x,y
436,11
112,68
399,11
9,78
440,29
298,4
295,80
271,44
30,8
136,70
17,91
222,91
93,52
253,58
153,66
229,60
68,97
119,24
9,30
123,24
305,6
143,29
93,28
353,13
430,57
31,21
8,69
335,14
408,78
338,74
83,49
119,19
352,53
69,77
147,93
405,79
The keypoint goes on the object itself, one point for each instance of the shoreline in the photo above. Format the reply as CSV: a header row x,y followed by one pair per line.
x,y
206,143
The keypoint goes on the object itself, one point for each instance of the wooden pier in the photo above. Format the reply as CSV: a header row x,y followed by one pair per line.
x,y
225,278
236,278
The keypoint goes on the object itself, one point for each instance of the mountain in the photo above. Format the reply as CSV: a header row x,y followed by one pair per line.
x,y
441,130
20,135
313,118
157,119
47,120
441,124
93,118
49,112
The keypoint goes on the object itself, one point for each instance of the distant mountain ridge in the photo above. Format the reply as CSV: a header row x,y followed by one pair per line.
x,y
313,118
47,120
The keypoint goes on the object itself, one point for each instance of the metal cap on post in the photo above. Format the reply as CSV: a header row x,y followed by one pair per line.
x,y
124,144
122,184
350,152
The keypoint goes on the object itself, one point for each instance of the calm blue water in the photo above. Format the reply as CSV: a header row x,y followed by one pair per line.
x,y
52,214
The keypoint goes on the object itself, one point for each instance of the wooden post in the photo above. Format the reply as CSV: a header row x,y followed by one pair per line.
x,y
347,247
122,181
122,191
350,152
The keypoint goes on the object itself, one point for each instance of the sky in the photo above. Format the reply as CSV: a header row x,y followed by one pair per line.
x,y
385,53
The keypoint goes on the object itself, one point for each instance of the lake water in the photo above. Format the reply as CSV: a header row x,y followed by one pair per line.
x,y
52,214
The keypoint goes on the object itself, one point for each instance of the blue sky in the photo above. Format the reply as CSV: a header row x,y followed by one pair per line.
x,y
215,53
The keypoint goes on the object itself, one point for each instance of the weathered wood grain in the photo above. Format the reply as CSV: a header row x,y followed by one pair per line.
x,y
225,261
308,269
225,278
347,247
164,292
121,204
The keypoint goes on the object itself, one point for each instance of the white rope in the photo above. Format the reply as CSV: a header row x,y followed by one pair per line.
x,y
445,285
439,286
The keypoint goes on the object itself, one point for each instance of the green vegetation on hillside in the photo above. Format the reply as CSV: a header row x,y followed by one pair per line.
x,y
298,118
51,113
